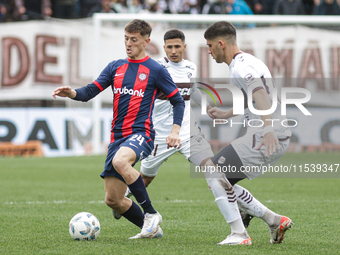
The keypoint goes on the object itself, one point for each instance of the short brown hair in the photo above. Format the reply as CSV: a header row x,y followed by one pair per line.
x,y
139,26
174,34
222,29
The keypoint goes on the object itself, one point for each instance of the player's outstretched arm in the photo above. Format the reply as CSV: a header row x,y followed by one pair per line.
x,y
269,140
173,139
64,91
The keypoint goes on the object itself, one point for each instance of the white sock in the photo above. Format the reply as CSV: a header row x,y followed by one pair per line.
x,y
252,206
237,226
225,198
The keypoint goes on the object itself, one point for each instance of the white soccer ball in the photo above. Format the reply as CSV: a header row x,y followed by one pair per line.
x,y
84,226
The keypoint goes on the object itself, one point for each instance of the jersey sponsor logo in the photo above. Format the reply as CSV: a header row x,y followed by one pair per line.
x,y
142,76
184,91
126,91
248,78
190,67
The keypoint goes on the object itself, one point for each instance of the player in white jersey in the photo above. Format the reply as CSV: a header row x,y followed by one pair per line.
x,y
260,146
194,147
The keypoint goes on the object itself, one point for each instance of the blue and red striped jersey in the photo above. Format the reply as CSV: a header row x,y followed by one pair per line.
x,y
135,85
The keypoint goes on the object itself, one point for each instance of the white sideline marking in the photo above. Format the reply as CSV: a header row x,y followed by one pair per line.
x,y
158,202
89,202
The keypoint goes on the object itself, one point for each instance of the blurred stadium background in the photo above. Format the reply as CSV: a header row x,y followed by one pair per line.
x,y
38,56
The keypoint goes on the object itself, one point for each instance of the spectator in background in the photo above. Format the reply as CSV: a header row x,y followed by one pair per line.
x,y
232,7
86,6
134,6
263,6
103,7
218,7
34,9
7,11
65,9
327,7
267,7
186,6
309,6
238,7
151,6
289,7
206,7
3,10
120,6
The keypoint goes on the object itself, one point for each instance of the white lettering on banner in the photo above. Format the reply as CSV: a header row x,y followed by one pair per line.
x,y
126,91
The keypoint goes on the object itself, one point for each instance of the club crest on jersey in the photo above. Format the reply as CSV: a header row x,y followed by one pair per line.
x,y
142,76
221,160
189,75
249,78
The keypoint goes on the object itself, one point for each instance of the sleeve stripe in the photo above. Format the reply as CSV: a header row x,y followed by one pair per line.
x,y
98,85
172,93
256,89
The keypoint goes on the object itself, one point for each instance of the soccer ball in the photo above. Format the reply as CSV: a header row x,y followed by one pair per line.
x,y
84,226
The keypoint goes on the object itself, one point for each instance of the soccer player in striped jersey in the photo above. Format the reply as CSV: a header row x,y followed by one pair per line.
x,y
194,147
136,82
260,146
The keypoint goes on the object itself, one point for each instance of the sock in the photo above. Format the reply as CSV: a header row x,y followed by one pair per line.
x,y
138,190
225,199
135,215
252,206
237,226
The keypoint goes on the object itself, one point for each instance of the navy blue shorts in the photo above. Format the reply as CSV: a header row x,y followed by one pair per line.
x,y
141,145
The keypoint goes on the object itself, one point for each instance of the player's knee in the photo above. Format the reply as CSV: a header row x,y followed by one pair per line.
x,y
113,203
119,164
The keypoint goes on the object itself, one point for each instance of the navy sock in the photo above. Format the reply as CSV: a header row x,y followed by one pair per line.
x,y
138,190
135,215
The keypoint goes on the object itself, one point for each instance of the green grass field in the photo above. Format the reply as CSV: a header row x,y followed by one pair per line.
x,y
39,196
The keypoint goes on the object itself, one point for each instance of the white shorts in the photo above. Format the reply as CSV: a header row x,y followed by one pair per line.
x,y
246,149
195,150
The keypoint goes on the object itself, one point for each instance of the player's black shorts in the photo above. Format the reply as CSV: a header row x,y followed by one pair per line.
x,y
141,145
228,162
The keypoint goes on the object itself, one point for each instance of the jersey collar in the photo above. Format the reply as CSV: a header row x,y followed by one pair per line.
x,y
138,60
176,64
237,54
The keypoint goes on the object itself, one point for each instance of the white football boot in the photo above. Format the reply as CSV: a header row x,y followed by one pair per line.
x,y
237,239
151,224
158,234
